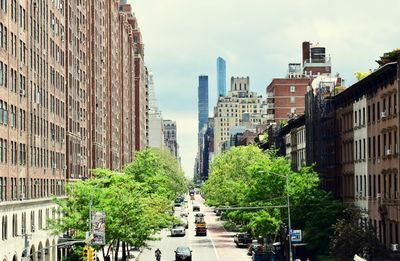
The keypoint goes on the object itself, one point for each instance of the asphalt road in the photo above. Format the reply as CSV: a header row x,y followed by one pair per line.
x,y
216,246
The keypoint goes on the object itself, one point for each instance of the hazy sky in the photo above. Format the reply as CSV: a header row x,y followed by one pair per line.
x,y
257,38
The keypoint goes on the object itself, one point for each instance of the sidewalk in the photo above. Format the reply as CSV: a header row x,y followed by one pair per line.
x,y
134,254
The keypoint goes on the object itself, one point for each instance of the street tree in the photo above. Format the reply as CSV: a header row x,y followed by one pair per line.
x,y
136,203
248,177
353,234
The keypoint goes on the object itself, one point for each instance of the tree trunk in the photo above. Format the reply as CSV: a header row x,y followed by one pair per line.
x,y
123,251
116,250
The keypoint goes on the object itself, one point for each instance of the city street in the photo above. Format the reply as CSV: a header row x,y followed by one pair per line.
x,y
216,246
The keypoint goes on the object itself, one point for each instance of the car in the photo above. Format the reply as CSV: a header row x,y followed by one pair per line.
x,y
242,239
178,230
177,204
183,254
253,247
199,218
184,214
196,208
219,212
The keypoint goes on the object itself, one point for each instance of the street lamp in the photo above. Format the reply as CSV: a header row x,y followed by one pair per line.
x,y
288,206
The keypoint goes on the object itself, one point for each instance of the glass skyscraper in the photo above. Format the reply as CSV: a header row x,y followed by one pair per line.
x,y
221,76
203,101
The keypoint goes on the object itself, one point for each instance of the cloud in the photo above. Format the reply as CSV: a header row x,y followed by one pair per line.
x,y
258,38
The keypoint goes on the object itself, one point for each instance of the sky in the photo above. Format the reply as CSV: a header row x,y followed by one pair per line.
x,y
257,38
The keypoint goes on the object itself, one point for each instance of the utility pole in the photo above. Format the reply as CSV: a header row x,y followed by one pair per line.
x,y
289,222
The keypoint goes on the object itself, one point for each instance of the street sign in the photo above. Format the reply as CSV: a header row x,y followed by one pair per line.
x,y
296,236
99,228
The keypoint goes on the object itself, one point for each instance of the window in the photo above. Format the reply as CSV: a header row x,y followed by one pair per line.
x,y
363,116
23,223
355,118
4,228
14,226
40,219
32,221
292,88
369,114
373,112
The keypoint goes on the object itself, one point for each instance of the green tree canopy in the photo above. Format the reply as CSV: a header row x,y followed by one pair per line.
x,y
137,202
249,177
354,235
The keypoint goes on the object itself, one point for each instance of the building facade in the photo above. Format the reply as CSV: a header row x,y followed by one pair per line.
x,y
62,65
221,77
170,138
202,101
156,123
141,90
239,107
285,96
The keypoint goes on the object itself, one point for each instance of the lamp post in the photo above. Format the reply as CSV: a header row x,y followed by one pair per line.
x,y
288,207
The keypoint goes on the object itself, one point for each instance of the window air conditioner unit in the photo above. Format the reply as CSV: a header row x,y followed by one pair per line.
x,y
65,167
62,141
395,247
383,114
378,195
389,152
21,92
54,166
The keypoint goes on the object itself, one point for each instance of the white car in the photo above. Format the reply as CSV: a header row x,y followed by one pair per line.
x,y
178,230
184,214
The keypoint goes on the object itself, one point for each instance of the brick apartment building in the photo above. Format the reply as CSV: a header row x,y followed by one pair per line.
x,y
68,103
285,96
353,138
371,106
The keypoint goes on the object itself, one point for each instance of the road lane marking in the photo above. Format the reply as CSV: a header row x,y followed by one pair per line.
x,y
215,249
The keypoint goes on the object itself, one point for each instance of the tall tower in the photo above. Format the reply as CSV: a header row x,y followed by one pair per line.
x,y
221,76
203,101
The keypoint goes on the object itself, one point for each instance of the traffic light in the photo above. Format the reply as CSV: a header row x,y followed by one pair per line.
x,y
85,253
90,255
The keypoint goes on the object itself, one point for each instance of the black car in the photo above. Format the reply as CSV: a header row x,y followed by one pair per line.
x,y
196,208
254,247
183,254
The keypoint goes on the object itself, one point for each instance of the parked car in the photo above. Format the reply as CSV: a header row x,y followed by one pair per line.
x,y
177,204
184,214
219,212
178,230
183,254
196,208
253,247
242,239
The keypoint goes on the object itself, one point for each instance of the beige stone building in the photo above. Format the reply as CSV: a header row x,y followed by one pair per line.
x,y
240,107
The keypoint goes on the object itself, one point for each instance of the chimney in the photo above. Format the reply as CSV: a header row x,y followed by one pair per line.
x,y
306,51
